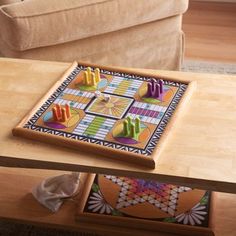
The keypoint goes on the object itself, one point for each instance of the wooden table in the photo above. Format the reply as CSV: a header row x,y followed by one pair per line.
x,y
200,152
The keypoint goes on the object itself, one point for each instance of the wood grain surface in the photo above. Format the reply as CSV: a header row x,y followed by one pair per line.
x,y
200,151
17,204
210,32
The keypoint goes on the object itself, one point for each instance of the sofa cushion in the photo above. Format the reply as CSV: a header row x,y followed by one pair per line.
x,y
162,49
6,2
37,23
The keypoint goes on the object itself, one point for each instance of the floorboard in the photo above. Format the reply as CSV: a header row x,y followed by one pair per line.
x,y
210,30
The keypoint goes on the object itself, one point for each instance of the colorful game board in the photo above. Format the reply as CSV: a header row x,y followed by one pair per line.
x,y
144,204
124,116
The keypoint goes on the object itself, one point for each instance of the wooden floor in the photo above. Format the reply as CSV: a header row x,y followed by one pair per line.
x,y
210,30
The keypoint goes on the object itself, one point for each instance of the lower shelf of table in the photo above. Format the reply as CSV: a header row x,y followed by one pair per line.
x,y
16,203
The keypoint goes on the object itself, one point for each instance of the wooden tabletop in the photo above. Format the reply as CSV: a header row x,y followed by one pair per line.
x,y
200,151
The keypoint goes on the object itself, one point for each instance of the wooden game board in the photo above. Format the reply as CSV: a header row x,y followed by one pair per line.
x,y
131,126
144,204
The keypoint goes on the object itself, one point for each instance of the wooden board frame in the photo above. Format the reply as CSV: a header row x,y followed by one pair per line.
x,y
134,158
137,224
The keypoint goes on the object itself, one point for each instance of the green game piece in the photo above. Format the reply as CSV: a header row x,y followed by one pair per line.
x,y
126,128
137,125
132,130
129,121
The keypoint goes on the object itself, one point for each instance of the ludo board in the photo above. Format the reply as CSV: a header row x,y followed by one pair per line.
x,y
144,205
111,112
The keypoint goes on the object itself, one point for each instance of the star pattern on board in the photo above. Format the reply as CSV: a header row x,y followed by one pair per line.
x,y
136,191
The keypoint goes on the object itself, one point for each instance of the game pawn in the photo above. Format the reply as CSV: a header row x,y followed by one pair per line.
x,y
130,131
61,114
155,89
90,79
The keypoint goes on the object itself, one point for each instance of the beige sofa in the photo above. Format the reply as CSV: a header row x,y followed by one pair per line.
x,y
133,33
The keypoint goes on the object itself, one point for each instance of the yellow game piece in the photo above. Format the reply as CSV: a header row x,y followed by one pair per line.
x,y
97,75
86,78
93,79
89,71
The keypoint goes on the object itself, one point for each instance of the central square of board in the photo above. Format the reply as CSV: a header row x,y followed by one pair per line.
x,y
116,107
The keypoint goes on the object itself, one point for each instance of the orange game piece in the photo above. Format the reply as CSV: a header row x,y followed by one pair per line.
x,y
68,113
55,114
58,107
64,116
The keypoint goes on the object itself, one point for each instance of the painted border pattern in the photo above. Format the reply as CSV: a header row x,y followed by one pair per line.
x,y
147,151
